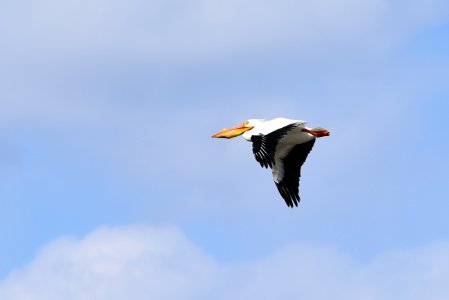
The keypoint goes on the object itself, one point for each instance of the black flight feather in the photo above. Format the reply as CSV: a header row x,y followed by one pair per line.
x,y
288,187
264,146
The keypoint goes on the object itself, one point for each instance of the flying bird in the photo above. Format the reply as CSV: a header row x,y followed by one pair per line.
x,y
281,144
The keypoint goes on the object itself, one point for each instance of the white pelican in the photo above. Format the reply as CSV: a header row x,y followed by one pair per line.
x,y
282,145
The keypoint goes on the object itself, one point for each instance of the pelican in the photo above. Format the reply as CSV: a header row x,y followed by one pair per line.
x,y
281,144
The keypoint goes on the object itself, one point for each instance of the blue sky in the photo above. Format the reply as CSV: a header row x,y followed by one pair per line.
x,y
106,114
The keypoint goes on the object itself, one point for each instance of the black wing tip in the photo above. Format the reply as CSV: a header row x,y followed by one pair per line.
x,y
264,163
292,203
295,201
290,197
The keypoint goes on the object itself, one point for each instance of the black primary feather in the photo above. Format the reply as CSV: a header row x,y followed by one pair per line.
x,y
288,187
264,146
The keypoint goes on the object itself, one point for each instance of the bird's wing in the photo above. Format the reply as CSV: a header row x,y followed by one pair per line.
x,y
288,186
264,145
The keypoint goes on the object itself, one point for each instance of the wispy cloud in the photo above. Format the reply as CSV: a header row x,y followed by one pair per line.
x,y
171,31
140,262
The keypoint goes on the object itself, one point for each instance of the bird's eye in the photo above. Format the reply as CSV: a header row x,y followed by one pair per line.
x,y
246,123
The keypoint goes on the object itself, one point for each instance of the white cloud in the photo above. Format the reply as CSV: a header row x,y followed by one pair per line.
x,y
138,262
119,263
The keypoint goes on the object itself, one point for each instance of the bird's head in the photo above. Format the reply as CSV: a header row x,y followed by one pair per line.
x,y
230,133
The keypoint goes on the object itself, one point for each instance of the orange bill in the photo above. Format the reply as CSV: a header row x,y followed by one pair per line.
x,y
229,133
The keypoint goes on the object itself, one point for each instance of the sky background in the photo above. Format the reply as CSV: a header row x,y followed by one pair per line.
x,y
111,187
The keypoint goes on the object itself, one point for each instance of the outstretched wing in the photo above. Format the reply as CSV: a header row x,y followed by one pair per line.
x,y
264,146
288,186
